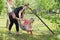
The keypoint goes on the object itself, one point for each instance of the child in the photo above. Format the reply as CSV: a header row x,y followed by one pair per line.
x,y
9,10
27,25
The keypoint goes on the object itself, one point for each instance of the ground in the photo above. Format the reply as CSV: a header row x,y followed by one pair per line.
x,y
40,32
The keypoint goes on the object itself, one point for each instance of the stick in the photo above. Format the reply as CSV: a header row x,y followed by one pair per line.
x,y
42,21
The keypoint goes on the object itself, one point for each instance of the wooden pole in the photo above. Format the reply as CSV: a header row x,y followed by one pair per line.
x,y
44,23
41,20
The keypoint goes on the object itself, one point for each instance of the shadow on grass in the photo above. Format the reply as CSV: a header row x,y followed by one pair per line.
x,y
24,36
42,36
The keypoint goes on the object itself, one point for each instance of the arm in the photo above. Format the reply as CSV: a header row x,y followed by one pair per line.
x,y
20,12
23,19
14,16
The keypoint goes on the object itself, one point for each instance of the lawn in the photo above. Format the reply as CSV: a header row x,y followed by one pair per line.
x,y
40,32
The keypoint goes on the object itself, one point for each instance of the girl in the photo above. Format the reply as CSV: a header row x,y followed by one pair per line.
x,y
27,25
9,10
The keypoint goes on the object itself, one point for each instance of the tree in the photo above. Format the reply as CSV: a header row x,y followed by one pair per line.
x,y
1,6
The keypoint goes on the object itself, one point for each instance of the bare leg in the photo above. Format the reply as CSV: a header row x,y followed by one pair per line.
x,y
30,31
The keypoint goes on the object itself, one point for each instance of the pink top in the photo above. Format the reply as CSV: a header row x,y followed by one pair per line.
x,y
26,22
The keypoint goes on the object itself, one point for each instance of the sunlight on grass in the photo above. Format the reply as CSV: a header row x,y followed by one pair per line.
x,y
40,32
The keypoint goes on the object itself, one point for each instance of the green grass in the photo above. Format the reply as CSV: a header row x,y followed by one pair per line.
x,y
40,32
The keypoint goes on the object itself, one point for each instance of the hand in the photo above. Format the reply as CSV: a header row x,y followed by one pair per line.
x,y
18,19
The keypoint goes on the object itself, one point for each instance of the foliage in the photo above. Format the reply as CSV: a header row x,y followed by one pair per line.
x,y
43,7
1,5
